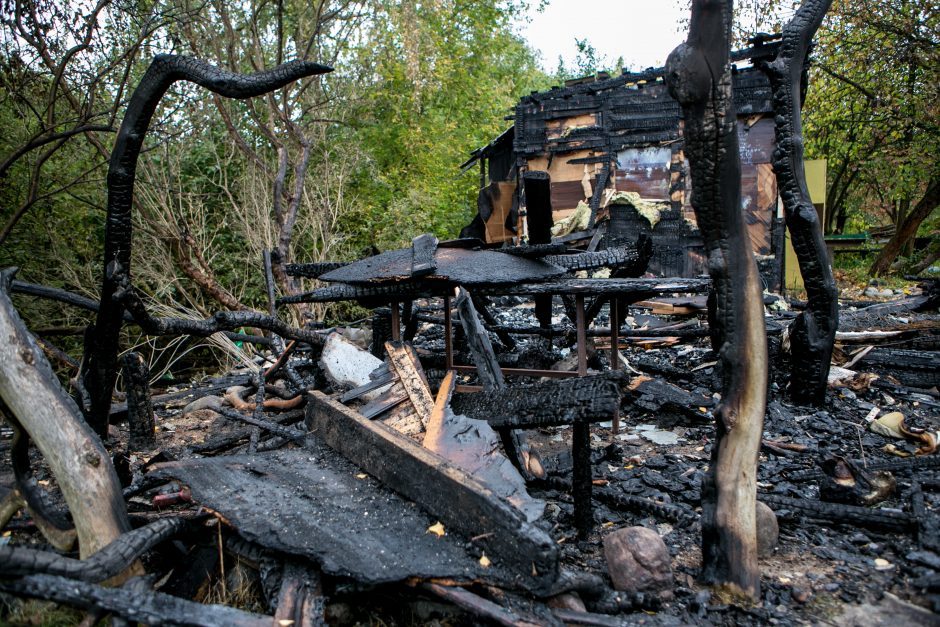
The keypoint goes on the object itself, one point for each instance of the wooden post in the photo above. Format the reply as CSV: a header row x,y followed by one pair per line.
x,y
615,350
581,485
698,74
538,203
448,335
396,322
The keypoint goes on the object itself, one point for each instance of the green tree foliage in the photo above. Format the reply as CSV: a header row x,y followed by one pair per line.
x,y
873,108
439,78
368,155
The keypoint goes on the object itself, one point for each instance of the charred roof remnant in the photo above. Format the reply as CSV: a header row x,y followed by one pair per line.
x,y
699,77
813,333
101,344
613,150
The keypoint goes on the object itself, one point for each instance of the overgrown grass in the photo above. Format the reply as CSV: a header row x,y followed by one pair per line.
x,y
30,612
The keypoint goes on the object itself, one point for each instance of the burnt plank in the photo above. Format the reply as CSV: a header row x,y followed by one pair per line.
x,y
375,384
411,375
423,248
320,507
555,402
312,270
623,287
610,257
459,500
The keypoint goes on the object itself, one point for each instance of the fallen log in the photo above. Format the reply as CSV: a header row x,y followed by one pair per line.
x,y
460,501
143,606
840,513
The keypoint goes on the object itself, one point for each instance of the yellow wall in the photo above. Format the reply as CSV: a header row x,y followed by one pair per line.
x,y
816,183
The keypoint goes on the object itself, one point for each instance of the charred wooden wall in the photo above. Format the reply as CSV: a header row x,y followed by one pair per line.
x,y
625,134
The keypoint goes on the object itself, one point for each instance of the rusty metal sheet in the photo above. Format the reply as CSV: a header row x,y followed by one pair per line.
x,y
320,506
454,265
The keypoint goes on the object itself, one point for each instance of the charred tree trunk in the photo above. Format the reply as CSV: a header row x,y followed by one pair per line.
x,y
813,332
699,78
101,347
74,453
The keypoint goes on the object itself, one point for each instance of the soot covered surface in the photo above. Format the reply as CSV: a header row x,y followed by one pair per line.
x,y
320,506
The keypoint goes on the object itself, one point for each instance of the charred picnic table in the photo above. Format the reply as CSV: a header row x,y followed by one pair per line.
x,y
455,269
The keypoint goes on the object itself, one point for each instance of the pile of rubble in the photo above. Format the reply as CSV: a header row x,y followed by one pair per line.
x,y
463,459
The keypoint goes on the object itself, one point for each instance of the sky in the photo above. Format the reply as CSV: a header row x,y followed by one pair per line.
x,y
643,32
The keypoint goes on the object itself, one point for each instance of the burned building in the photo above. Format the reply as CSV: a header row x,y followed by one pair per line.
x,y
599,136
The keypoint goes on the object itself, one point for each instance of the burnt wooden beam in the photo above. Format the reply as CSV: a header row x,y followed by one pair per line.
x,y
458,499
143,606
219,321
534,251
82,302
698,74
477,606
267,425
557,402
300,600
491,323
478,341
812,334
404,361
632,503
423,248
140,420
607,258
102,343
220,442
628,288
312,270
489,372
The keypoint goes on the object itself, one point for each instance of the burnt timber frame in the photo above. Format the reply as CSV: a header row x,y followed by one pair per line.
x,y
99,366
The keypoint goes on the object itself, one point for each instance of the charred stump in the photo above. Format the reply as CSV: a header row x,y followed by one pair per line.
x,y
813,332
101,346
699,78
140,420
